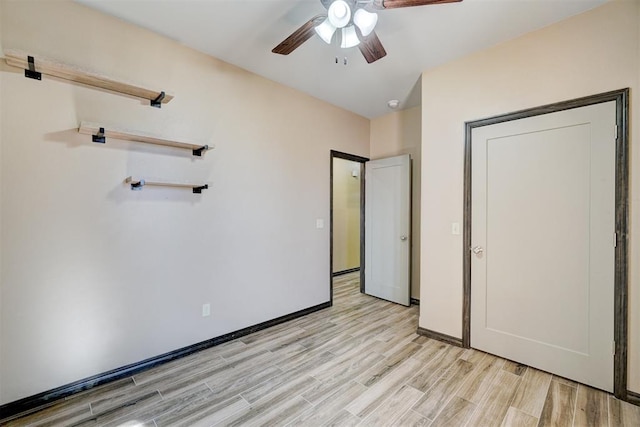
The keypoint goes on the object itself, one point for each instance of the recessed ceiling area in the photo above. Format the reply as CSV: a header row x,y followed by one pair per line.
x,y
243,33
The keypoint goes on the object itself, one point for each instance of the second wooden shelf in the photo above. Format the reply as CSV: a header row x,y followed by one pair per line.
x,y
100,132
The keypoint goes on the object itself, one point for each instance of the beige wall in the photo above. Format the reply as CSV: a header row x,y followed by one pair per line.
x,y
95,276
395,134
346,215
590,53
1,116
634,271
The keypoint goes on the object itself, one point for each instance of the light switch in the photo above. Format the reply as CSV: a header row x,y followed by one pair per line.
x,y
455,228
319,223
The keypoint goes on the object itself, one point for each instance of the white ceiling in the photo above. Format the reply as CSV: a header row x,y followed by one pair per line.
x,y
243,32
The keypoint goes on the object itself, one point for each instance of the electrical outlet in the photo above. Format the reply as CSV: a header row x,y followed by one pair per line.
x,y
206,310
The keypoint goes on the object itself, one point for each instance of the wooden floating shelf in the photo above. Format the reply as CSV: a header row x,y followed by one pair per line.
x,y
139,184
101,132
36,66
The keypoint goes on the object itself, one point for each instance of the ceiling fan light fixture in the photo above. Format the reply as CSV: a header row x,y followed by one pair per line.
x,y
326,31
366,21
339,13
349,37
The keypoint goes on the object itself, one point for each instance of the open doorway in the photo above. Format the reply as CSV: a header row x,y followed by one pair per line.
x,y
346,219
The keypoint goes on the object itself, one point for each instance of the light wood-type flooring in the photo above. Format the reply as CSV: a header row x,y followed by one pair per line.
x,y
359,362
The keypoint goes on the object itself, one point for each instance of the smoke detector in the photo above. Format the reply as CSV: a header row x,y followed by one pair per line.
x,y
393,104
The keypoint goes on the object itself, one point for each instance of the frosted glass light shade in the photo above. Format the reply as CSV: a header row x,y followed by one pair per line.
x,y
326,31
349,37
339,13
366,21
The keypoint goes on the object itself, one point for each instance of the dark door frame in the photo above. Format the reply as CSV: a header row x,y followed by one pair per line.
x,y
352,157
621,97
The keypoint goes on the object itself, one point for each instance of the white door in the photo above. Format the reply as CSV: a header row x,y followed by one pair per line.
x,y
388,229
542,264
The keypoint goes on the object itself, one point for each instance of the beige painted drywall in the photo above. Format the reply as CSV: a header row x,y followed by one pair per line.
x,y
590,53
400,133
1,115
95,276
634,270
346,215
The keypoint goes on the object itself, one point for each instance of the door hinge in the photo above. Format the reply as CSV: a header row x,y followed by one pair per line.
x,y
613,348
616,131
615,240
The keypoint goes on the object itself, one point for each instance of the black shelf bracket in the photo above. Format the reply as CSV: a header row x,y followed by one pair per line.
x,y
99,137
137,186
157,103
31,71
198,190
198,151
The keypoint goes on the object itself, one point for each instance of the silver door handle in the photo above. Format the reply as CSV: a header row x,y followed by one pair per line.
x,y
477,250
403,238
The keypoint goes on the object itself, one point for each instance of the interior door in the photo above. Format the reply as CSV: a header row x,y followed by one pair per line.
x,y
388,229
542,263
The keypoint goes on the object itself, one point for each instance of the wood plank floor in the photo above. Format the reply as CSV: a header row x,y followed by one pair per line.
x,y
359,362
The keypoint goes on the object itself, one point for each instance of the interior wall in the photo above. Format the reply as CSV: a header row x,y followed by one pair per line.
x,y
95,276
346,215
395,134
634,269
1,115
594,52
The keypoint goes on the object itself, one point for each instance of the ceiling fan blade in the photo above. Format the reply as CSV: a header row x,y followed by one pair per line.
x,y
396,4
299,36
372,48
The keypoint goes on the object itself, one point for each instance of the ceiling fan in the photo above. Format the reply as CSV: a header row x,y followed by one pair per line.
x,y
356,20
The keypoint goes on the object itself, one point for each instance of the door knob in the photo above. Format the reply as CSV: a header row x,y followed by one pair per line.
x,y
477,250
403,238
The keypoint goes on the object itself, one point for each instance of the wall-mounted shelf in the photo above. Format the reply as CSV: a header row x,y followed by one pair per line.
x,y
99,134
139,184
34,67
